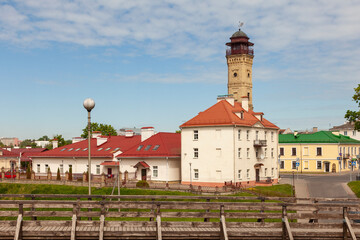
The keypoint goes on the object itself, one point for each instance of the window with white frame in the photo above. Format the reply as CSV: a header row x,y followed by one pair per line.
x,y
196,152
239,134
248,135
265,152
218,152
318,165
196,134
46,168
272,136
281,151
248,173
272,171
97,169
293,151
61,168
70,166
272,152
239,174
318,151
306,164
155,171
38,168
345,133
293,164
239,152
248,152
196,173
282,164
265,135
265,172
87,168
354,133
257,135
306,151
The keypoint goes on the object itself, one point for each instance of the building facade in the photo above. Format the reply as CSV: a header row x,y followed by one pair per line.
x,y
229,142
347,129
322,151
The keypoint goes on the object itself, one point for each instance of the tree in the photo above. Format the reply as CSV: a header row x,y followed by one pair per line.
x,y
105,129
354,116
28,172
28,142
61,140
44,138
58,175
70,173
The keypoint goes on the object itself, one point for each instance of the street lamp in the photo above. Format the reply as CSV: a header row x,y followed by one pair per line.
x,y
89,104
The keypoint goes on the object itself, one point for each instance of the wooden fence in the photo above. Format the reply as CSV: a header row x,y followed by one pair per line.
x,y
176,217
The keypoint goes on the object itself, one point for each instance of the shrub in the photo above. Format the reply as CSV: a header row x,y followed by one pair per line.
x,y
142,184
58,175
70,173
28,172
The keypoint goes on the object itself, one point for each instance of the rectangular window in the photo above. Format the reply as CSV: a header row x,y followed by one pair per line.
x,y
265,135
345,133
247,135
98,169
218,133
196,134
318,151
306,151
318,165
281,151
248,152
239,152
282,164
256,153
239,134
46,168
61,168
272,136
293,151
272,171
155,171
272,152
306,164
257,135
38,168
293,164
87,168
196,152
218,152
265,172
248,173
354,133
265,152
196,173
70,166
239,174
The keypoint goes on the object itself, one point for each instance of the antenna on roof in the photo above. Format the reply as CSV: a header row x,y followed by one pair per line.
x,y
240,24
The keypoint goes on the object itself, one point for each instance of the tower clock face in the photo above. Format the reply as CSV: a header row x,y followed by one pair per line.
x,y
235,74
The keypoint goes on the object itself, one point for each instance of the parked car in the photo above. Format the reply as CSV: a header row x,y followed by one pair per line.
x,y
9,175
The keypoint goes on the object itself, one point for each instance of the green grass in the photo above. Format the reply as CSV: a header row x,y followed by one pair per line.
x,y
281,190
355,187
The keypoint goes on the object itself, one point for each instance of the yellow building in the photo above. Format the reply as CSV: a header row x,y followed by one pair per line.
x,y
321,151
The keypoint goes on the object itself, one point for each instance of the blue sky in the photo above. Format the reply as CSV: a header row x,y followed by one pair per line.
x,y
159,63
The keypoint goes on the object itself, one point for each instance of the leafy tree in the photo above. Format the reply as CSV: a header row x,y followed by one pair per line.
x,y
58,175
105,129
28,142
354,116
70,173
61,140
1,144
44,138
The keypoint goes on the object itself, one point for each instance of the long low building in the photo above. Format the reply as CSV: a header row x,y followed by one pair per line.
x,y
322,151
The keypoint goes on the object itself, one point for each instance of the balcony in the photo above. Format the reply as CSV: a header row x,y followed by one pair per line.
x,y
259,143
346,156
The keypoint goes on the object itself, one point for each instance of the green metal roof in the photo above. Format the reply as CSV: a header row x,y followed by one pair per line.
x,y
317,137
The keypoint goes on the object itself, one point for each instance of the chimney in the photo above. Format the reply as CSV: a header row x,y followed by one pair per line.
x,y
146,132
96,134
101,140
245,103
55,143
229,98
315,129
129,133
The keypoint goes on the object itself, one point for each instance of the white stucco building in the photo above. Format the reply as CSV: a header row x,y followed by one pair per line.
x,y
229,142
347,129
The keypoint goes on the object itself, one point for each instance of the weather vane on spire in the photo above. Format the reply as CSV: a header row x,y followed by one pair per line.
x,y
240,24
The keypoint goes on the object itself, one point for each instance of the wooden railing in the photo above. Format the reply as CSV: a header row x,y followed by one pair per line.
x,y
169,217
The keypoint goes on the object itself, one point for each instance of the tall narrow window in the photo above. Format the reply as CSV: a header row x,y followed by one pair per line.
x,y
281,151
61,168
248,173
46,168
293,151
196,152
272,136
155,171
196,134
257,135
248,152
97,169
247,135
239,174
265,135
282,164
38,168
196,173
318,151
265,152
272,152
239,152
239,134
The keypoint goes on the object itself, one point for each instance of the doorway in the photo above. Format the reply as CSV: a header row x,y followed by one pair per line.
x,y
143,174
257,172
327,167
109,171
333,168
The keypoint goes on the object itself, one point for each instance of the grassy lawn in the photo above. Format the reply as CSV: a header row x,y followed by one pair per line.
x,y
355,187
281,190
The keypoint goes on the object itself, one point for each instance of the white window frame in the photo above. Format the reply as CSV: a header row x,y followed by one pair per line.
x,y
317,165
46,168
61,166
38,168
306,164
320,151
292,151
239,152
196,135
265,172
282,164
293,164
155,171
283,151
196,173
239,175
272,136
196,153
248,152
248,135
239,134
248,173
98,169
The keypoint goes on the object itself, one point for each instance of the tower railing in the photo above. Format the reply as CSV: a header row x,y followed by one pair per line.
x,y
239,51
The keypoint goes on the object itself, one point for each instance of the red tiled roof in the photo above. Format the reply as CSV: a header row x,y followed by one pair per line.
x,y
110,163
223,114
79,149
6,153
26,152
143,164
169,145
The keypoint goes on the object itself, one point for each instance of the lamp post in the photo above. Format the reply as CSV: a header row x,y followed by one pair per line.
x,y
89,104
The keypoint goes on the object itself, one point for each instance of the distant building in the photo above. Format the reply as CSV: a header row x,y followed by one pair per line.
x,y
347,129
123,131
8,160
322,151
10,141
42,144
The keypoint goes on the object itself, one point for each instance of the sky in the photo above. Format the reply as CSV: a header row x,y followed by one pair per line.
x,y
159,63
